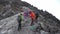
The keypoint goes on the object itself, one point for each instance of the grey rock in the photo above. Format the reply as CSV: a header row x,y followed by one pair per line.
x,y
9,10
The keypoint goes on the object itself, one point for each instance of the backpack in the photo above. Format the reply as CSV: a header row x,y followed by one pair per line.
x,y
19,18
33,27
37,15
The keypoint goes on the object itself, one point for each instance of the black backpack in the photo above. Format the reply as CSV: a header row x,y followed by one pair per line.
x,y
37,15
18,18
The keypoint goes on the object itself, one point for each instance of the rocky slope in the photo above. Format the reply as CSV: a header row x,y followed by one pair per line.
x,y
8,8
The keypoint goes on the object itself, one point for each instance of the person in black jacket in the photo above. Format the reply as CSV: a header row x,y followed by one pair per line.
x,y
37,15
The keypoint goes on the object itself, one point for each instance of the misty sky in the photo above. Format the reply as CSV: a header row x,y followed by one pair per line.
x,y
52,6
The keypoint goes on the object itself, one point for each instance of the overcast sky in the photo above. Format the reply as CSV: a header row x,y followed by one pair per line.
x,y
52,6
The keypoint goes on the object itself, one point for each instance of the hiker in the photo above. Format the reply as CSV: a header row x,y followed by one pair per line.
x,y
36,19
19,21
33,16
25,14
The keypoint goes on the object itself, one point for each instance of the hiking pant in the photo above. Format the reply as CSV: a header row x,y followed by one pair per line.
x,y
19,25
36,19
32,22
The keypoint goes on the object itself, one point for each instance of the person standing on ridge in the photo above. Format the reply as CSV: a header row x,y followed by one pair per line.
x,y
36,19
25,14
19,21
33,16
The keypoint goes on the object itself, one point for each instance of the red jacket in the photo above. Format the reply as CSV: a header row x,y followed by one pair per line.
x,y
32,15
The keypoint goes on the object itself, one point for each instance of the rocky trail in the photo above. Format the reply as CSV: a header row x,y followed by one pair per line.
x,y
10,9
10,25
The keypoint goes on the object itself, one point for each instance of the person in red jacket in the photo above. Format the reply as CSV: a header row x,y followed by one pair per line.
x,y
33,16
